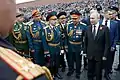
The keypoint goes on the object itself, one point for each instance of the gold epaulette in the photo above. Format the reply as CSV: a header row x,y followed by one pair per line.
x,y
47,73
57,24
24,23
30,23
83,23
46,27
69,22
47,23
26,69
43,22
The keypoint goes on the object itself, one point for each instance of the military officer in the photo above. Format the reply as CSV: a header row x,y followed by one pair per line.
x,y
53,38
20,36
63,25
75,32
36,29
112,25
114,10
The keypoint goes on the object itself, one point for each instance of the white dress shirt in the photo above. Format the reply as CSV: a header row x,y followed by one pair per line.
x,y
108,23
51,26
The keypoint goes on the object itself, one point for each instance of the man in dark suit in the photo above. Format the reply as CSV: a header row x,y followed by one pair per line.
x,y
97,44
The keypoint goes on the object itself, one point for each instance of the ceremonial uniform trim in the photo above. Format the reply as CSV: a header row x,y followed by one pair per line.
x,y
76,43
47,73
70,33
22,42
83,23
25,68
54,45
30,23
17,31
37,40
46,34
34,35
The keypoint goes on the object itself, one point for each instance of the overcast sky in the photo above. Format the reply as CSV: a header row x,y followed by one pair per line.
x,y
22,1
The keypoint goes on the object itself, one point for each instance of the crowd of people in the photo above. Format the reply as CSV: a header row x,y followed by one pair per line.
x,y
83,6
51,32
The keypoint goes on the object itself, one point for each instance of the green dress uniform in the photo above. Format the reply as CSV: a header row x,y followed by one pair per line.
x,y
20,37
36,30
75,44
63,45
53,38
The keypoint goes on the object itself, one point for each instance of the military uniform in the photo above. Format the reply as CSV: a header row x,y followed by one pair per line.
x,y
63,45
75,44
19,38
53,38
63,25
36,30
118,42
115,10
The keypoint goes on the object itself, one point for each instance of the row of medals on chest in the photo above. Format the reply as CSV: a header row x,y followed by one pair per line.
x,y
76,32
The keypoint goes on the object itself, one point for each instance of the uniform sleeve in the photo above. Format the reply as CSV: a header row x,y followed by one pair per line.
x,y
29,37
85,42
116,35
107,42
45,45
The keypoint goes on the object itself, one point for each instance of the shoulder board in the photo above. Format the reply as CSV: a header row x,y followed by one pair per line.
x,y
69,22
42,21
46,27
24,23
22,66
83,23
47,23
57,24
30,23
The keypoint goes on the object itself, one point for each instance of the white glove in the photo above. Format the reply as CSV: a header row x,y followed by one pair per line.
x,y
61,52
82,53
46,52
104,58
